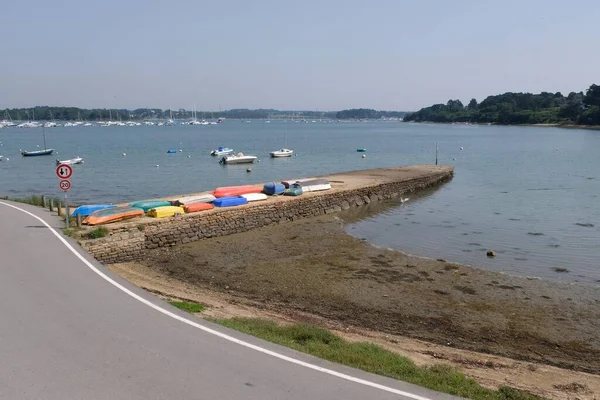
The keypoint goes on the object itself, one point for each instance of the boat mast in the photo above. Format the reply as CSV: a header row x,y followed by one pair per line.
x,y
44,133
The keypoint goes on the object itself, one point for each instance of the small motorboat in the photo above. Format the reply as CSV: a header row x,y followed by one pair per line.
x,y
221,151
282,153
171,151
238,158
72,161
109,215
361,150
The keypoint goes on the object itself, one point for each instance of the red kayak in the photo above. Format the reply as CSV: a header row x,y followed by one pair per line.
x,y
232,191
195,207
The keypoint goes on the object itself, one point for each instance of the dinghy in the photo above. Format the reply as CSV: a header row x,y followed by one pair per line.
x,y
230,201
146,205
86,210
195,207
165,211
109,215
231,191
254,196
273,188
72,161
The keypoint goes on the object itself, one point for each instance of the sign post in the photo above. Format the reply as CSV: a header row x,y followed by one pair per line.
x,y
64,172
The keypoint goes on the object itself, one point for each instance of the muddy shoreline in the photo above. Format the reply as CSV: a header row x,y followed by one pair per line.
x,y
313,267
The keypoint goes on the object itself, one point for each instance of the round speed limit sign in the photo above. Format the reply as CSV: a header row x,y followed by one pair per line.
x,y
64,185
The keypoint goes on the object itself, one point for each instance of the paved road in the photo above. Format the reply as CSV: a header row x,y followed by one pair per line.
x,y
68,333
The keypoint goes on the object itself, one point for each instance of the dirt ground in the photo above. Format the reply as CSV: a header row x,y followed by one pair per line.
x,y
497,328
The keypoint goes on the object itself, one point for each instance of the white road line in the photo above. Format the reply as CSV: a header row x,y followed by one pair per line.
x,y
212,331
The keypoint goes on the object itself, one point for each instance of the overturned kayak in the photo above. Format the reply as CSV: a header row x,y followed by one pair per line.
x,y
86,210
148,204
293,191
230,201
314,185
273,188
196,207
203,198
165,211
109,215
290,182
254,196
231,191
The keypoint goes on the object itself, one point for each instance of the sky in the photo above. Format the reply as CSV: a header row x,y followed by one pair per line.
x,y
303,55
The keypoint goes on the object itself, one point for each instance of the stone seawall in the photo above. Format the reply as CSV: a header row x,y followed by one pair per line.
x,y
128,242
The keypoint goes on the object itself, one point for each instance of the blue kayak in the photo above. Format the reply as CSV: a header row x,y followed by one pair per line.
x,y
86,210
171,151
230,201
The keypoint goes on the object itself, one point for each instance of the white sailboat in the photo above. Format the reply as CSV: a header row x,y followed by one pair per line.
x,y
284,152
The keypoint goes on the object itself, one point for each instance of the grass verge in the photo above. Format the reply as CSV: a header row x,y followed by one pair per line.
x,y
371,358
34,200
97,233
188,306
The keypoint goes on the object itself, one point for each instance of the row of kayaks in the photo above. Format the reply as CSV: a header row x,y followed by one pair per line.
x,y
226,196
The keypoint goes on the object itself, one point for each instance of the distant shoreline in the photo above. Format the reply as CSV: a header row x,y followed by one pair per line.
x,y
566,126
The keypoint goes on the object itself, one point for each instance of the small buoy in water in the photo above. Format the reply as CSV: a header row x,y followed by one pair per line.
x,y
491,253
38,145
124,154
364,156
248,169
180,150
461,148
257,160
189,156
156,165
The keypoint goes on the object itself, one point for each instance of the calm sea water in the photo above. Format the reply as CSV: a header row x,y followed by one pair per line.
x,y
531,194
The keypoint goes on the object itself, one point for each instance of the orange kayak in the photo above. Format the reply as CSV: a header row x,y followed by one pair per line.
x,y
109,215
232,191
195,207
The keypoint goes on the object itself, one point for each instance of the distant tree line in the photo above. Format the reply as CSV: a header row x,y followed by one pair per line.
x,y
367,113
519,108
47,113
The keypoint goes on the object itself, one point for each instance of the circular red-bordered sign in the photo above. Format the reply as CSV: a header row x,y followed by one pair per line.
x,y
64,185
64,171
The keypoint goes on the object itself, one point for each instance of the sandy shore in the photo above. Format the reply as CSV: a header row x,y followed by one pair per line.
x,y
312,270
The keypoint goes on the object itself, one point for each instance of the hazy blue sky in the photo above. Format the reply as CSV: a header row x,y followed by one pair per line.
x,y
326,55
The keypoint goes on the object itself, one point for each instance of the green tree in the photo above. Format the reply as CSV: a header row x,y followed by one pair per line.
x,y
592,96
472,105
